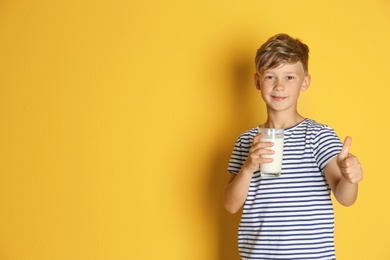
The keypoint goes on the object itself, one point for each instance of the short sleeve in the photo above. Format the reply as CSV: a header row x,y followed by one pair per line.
x,y
326,145
241,150
236,160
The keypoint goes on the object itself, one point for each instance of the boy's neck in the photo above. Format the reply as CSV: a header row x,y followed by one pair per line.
x,y
282,121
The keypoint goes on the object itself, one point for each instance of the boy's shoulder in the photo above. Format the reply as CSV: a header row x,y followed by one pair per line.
x,y
307,125
310,124
249,134
311,129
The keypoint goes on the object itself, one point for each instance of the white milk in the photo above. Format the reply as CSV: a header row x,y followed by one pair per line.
x,y
275,167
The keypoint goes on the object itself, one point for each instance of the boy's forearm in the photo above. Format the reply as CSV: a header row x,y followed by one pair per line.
x,y
237,191
346,192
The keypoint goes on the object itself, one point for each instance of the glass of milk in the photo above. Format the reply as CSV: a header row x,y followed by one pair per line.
x,y
275,136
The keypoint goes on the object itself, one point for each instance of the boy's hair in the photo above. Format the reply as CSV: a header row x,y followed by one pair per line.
x,y
280,49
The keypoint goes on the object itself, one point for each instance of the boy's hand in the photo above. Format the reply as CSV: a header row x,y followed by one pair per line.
x,y
258,148
349,164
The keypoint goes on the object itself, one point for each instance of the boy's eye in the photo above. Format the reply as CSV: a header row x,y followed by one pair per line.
x,y
290,77
269,77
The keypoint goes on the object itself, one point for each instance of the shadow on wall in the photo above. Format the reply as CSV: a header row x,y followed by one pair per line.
x,y
244,114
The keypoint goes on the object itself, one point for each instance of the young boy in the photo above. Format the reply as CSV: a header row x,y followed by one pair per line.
x,y
291,216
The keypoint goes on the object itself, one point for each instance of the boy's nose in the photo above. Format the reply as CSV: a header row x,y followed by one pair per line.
x,y
278,85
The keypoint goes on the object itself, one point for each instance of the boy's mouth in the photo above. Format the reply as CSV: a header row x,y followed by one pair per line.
x,y
277,98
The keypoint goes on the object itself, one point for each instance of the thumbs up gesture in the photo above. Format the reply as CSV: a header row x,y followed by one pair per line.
x,y
349,164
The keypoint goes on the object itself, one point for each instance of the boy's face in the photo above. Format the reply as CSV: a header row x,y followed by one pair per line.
x,y
280,87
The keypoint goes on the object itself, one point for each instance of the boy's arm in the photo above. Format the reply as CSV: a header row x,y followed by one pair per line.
x,y
343,173
237,190
238,185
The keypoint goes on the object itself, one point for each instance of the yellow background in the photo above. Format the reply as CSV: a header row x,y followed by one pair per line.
x,y
117,120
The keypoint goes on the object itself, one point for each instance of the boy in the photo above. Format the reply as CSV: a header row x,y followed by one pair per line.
x,y
291,216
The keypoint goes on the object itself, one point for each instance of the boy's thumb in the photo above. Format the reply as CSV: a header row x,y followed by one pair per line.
x,y
345,150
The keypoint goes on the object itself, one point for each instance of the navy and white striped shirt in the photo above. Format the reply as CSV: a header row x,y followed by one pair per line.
x,y
291,216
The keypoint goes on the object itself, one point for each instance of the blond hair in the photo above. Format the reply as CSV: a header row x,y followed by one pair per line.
x,y
280,49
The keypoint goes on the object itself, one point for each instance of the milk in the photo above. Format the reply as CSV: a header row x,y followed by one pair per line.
x,y
275,136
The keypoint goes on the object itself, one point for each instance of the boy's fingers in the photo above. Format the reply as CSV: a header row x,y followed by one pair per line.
x,y
345,150
257,138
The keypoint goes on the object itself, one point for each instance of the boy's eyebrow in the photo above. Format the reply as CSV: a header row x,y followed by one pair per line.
x,y
286,72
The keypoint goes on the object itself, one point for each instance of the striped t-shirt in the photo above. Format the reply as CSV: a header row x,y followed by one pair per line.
x,y
291,216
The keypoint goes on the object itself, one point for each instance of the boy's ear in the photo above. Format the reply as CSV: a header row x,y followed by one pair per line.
x,y
257,81
306,83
